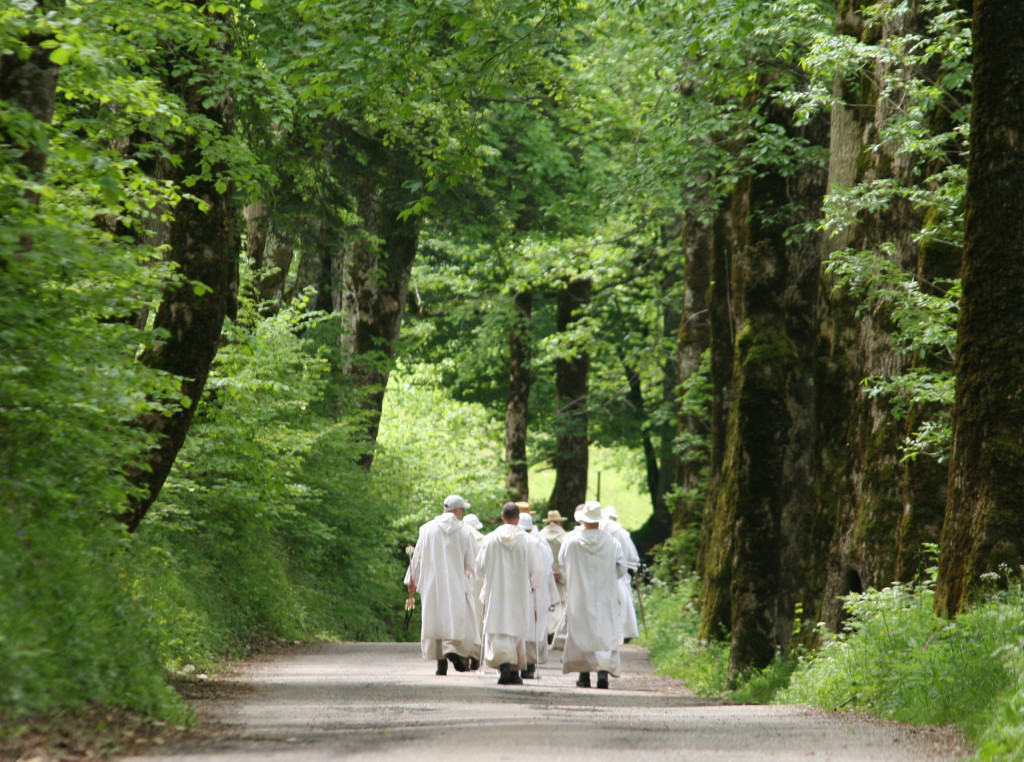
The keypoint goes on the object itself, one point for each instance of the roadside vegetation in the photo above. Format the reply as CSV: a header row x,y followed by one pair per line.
x,y
894,658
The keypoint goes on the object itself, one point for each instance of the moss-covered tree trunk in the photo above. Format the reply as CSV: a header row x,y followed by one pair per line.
x,y
874,509
204,245
692,339
984,521
570,458
517,399
753,573
714,565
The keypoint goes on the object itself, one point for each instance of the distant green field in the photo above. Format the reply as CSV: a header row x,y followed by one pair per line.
x,y
620,485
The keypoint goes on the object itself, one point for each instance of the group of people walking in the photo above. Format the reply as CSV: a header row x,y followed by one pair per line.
x,y
504,599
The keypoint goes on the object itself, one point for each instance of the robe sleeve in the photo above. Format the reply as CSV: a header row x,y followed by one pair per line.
x,y
536,567
621,565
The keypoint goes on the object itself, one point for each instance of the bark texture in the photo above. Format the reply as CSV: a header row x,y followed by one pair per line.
x,y
517,400
875,510
270,256
204,244
570,459
984,524
692,339
374,288
762,503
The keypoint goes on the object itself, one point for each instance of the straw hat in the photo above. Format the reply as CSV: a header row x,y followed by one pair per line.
x,y
524,507
554,516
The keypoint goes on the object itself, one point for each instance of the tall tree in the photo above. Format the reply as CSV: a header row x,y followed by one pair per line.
x,y
203,245
517,399
571,457
984,525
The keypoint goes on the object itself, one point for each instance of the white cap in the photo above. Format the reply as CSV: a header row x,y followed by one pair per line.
x,y
526,522
454,503
472,520
609,512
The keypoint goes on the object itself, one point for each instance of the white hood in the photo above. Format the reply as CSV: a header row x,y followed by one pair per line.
x,y
592,540
448,522
509,534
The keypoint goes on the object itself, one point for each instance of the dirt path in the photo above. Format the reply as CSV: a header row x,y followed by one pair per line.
x,y
380,701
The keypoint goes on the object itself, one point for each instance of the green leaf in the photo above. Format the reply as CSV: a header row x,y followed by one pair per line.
x,y
60,56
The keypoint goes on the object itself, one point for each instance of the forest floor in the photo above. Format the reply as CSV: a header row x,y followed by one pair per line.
x,y
380,701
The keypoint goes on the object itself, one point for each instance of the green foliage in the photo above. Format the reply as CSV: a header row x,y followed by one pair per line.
x,y
673,622
437,447
71,633
267,527
897,659
923,91
676,558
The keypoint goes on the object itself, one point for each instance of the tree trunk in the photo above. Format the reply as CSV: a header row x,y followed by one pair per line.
x,y
571,383
984,524
374,288
30,84
713,561
517,401
874,509
270,257
763,495
205,247
315,269
659,437
692,339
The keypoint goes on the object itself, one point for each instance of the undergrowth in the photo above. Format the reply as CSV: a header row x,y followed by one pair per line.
x,y
894,659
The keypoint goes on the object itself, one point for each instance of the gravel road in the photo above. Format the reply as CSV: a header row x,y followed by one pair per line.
x,y
380,701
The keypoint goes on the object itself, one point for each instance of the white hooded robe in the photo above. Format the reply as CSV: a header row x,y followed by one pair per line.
x,y
593,562
442,563
510,564
627,609
544,596
554,533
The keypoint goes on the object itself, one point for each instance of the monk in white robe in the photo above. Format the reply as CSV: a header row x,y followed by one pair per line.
x,y
542,601
627,609
511,566
593,562
442,563
473,523
555,533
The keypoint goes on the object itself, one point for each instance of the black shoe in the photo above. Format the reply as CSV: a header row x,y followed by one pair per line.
x,y
584,681
626,640
602,679
442,667
506,674
458,662
530,673
551,638
514,679
474,664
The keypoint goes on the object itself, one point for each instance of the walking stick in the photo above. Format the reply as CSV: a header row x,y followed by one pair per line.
x,y
536,642
640,600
